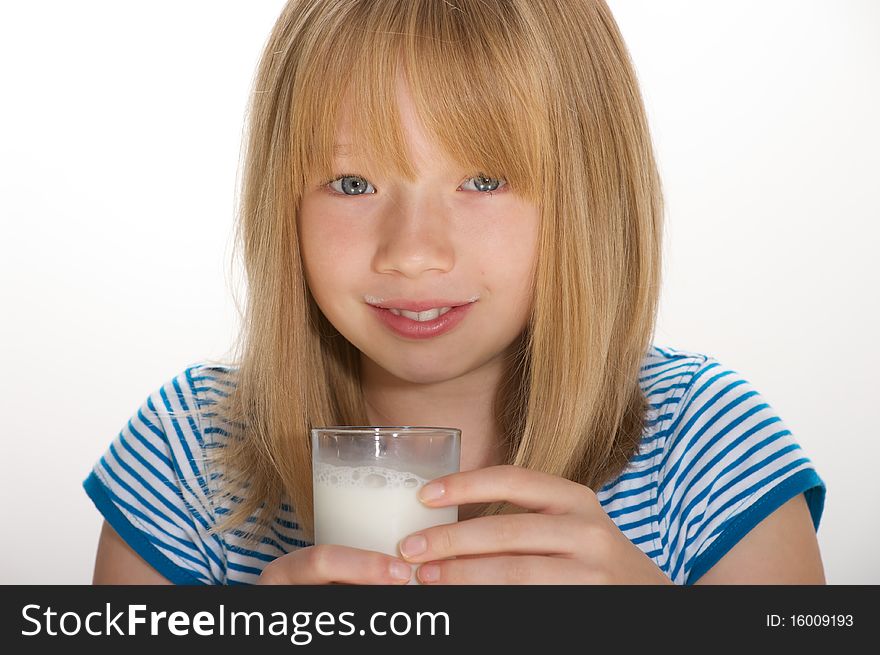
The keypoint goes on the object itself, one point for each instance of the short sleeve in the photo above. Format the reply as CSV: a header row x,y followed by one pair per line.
x,y
151,487
728,462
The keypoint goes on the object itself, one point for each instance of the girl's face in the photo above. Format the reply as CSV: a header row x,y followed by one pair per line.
x,y
440,237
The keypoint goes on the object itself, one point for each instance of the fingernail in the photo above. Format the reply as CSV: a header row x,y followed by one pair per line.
x,y
429,573
432,491
413,545
400,570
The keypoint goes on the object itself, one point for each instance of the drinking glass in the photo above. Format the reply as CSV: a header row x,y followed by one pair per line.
x,y
366,479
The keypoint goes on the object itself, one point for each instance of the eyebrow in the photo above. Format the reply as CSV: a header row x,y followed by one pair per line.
x,y
342,149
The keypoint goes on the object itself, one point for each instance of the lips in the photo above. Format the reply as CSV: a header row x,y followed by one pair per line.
x,y
410,329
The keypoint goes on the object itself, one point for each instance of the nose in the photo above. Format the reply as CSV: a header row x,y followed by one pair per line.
x,y
415,238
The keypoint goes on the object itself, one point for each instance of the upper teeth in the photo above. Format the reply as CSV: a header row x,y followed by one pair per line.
x,y
427,315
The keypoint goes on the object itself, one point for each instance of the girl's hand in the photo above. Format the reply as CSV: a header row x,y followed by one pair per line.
x,y
327,564
565,538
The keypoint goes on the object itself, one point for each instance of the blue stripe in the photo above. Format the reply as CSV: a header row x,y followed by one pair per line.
x,y
644,538
189,378
629,492
287,524
211,389
193,428
149,445
662,391
664,403
623,527
277,541
678,367
669,354
629,510
232,566
648,367
646,456
192,423
211,378
282,522
290,540
162,545
658,419
631,476
653,437
143,419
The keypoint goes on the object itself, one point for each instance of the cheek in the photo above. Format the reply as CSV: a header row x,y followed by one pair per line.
x,y
331,253
329,275
328,240
509,252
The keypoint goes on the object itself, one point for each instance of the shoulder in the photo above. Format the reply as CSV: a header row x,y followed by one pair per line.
x,y
725,461
154,482
715,460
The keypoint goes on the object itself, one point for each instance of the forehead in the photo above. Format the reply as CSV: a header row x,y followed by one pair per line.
x,y
422,149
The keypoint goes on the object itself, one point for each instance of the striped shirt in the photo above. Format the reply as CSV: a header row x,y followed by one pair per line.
x,y
715,459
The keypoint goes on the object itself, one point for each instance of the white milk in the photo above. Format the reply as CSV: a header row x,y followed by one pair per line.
x,y
371,507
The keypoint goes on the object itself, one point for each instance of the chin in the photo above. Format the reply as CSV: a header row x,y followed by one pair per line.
x,y
422,373
420,370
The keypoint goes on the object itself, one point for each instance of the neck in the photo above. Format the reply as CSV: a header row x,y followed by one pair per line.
x,y
465,402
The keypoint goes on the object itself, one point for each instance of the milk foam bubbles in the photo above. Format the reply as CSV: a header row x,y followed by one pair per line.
x,y
371,507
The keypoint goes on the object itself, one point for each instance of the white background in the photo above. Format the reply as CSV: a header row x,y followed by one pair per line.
x,y
120,128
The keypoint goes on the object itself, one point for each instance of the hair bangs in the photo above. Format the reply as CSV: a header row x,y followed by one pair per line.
x,y
475,93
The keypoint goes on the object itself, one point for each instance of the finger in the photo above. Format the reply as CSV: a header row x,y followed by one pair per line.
x,y
505,533
325,564
521,569
533,490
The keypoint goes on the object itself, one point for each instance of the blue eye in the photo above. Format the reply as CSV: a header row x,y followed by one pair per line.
x,y
351,185
487,184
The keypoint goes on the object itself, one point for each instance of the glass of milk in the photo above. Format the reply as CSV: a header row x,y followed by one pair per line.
x,y
366,479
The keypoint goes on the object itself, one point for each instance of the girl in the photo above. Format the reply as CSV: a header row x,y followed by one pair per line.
x,y
451,215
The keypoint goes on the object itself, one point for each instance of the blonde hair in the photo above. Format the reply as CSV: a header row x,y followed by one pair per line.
x,y
541,94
